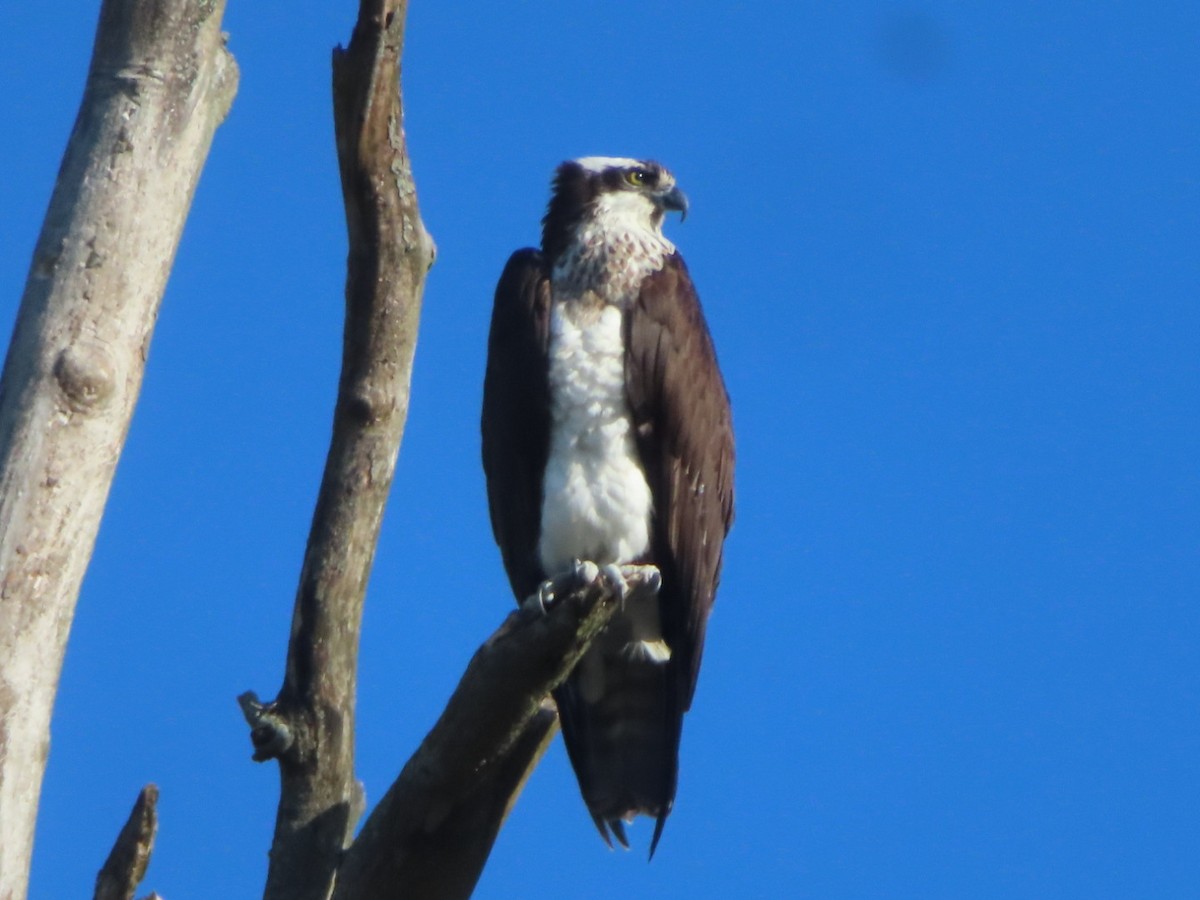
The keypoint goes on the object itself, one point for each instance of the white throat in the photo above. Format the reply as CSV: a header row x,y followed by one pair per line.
x,y
613,249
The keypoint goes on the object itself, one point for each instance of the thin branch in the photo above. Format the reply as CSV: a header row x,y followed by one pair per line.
x,y
309,727
159,84
430,835
126,865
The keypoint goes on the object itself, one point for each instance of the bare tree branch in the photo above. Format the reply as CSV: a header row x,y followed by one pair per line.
x,y
159,84
431,834
446,861
309,727
126,865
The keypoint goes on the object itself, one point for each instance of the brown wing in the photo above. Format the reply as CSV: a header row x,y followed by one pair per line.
x,y
516,415
685,438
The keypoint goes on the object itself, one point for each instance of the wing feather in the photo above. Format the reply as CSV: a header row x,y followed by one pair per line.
x,y
516,415
684,428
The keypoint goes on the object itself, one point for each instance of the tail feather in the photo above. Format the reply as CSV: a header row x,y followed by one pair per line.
x,y
622,735
658,830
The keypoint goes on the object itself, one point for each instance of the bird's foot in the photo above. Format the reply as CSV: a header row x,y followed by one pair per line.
x,y
632,583
583,573
642,579
615,579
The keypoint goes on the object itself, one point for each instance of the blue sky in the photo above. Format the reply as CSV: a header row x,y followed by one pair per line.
x,y
949,254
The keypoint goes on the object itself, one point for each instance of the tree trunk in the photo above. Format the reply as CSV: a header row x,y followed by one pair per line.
x,y
159,84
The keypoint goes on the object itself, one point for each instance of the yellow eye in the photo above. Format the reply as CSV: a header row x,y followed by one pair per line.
x,y
636,177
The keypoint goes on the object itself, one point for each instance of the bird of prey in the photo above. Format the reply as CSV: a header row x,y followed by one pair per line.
x,y
607,438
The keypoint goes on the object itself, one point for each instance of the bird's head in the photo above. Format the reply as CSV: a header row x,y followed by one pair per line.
x,y
619,193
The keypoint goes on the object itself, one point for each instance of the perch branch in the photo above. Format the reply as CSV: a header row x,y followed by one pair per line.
x,y
431,833
309,727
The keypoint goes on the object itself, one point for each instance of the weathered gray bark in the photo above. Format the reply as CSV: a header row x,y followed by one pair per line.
x,y
159,84
309,727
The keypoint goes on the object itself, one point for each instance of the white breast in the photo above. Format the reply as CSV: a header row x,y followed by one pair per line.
x,y
596,502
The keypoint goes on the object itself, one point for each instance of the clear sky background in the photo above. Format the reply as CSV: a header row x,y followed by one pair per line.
x,y
950,254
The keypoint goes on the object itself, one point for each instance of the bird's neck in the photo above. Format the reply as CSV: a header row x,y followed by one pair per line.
x,y
609,255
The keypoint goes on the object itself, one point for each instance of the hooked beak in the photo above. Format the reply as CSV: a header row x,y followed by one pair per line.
x,y
676,200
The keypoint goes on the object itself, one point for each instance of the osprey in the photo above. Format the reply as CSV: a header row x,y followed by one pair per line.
x,y
607,438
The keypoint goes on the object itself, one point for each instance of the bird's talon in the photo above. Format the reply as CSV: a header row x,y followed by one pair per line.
x,y
651,579
542,599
